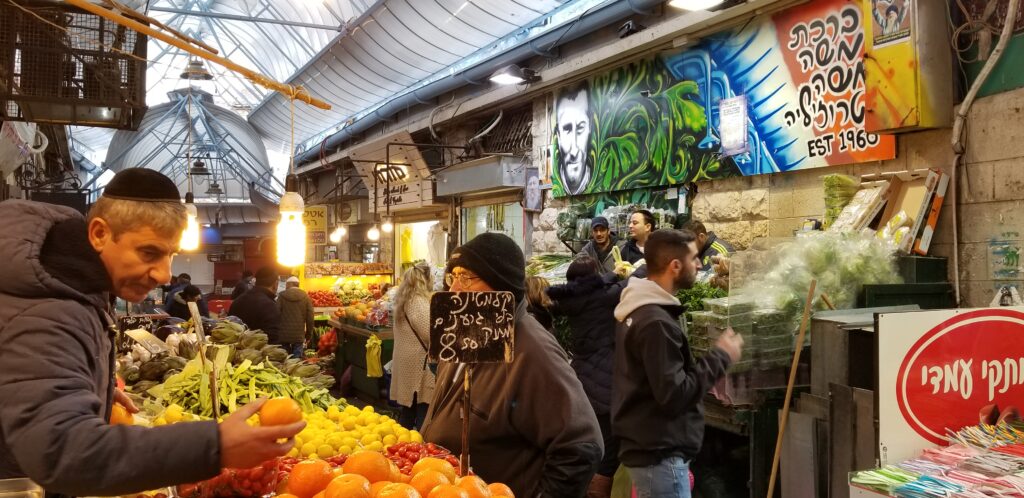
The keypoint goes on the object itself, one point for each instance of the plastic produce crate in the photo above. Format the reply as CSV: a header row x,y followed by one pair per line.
x,y
927,296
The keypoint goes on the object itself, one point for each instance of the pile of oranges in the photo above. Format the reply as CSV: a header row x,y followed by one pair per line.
x,y
369,474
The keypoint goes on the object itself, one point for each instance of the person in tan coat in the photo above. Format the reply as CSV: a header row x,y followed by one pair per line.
x,y
412,382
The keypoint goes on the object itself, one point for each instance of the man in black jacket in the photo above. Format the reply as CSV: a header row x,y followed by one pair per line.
x,y
257,308
641,225
657,387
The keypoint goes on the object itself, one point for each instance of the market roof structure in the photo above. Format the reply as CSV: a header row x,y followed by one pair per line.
x,y
355,54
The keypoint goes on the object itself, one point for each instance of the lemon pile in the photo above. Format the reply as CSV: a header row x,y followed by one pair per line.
x,y
174,414
338,431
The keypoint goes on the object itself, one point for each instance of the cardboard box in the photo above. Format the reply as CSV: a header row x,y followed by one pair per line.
x,y
922,244
911,194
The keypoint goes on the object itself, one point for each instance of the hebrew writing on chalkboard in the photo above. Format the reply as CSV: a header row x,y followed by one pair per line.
x,y
126,323
472,327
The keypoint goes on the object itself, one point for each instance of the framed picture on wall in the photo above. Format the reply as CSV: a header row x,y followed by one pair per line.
x,y
534,197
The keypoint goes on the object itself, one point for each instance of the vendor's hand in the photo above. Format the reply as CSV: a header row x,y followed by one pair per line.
x,y
732,343
243,446
122,399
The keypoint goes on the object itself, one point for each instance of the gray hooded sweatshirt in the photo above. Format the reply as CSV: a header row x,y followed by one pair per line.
x,y
56,370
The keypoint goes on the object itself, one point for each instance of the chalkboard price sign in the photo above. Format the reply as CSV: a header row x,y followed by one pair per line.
x,y
472,327
126,323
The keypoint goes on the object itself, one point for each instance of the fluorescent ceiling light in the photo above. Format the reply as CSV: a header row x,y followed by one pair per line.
x,y
514,75
695,4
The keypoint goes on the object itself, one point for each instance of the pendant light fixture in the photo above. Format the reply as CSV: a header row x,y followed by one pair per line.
x,y
387,226
340,231
291,232
190,237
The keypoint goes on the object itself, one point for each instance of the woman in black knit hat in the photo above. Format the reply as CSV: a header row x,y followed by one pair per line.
x,y
532,426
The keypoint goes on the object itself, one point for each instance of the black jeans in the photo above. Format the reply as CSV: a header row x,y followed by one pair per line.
x,y
610,463
413,417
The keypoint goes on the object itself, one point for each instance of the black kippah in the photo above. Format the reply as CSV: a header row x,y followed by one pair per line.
x,y
143,185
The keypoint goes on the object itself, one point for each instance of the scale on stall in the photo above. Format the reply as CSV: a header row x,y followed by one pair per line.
x,y
470,328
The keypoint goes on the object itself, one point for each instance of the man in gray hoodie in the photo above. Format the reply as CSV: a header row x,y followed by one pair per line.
x,y
297,320
657,386
56,348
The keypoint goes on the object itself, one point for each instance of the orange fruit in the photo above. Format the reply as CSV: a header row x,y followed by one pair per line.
x,y
348,486
309,477
426,481
280,411
319,495
377,486
119,415
372,465
475,486
437,464
397,475
285,495
448,491
398,490
499,489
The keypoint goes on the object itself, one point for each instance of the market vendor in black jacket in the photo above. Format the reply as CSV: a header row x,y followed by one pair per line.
x,y
532,427
658,387
588,301
602,240
258,308
641,225
708,244
56,348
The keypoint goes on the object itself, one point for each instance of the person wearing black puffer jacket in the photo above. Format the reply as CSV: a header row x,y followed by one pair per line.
x,y
588,301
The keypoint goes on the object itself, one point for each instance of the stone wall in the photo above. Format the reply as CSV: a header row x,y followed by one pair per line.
x,y
991,199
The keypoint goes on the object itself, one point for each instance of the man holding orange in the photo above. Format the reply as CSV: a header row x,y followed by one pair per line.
x,y
57,352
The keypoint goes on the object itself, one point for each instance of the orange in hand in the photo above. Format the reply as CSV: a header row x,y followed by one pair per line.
x,y
280,411
309,477
374,466
119,415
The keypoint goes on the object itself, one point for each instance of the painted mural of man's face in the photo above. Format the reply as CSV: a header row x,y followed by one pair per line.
x,y
573,121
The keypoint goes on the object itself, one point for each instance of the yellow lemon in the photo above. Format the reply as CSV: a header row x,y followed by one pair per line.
x,y
404,438
325,451
389,440
345,450
416,437
376,446
308,449
369,438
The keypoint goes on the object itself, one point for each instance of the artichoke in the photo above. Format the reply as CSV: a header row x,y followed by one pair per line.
x,y
274,353
153,369
253,341
306,370
176,362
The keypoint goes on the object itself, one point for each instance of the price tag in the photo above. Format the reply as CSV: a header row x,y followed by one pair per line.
x,y
126,323
472,327
148,341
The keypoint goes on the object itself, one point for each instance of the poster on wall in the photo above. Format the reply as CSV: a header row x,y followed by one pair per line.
x,y
801,72
891,20
939,369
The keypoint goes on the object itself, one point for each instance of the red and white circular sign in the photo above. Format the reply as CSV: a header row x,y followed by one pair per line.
x,y
958,367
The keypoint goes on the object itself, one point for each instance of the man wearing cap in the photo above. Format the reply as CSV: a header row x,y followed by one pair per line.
x,y
57,381
600,245
296,317
258,307
532,426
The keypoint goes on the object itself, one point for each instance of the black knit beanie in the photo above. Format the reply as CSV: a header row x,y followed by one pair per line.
x,y
496,259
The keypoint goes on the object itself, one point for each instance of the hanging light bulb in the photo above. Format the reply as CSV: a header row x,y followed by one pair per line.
x,y
337,234
291,232
190,237
373,234
387,227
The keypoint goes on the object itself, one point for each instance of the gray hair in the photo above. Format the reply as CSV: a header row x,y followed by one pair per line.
x,y
165,218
